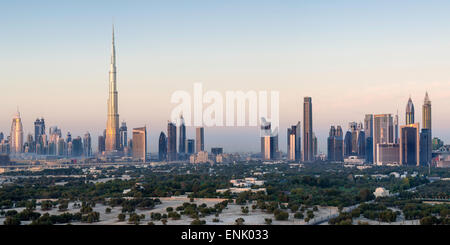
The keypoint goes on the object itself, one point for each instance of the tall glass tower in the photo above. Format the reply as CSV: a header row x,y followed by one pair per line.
x,y
112,141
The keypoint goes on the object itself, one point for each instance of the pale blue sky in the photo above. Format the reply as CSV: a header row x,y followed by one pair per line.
x,y
352,57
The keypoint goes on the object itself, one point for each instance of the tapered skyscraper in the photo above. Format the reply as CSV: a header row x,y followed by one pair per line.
x,y
426,113
112,141
409,112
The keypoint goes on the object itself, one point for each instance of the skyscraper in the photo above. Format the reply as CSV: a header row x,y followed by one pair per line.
x,y
426,145
87,145
162,147
39,130
335,144
140,144
190,146
426,112
396,123
294,142
112,140
16,134
382,131
182,140
409,144
171,142
200,139
409,112
368,132
269,141
123,135
308,151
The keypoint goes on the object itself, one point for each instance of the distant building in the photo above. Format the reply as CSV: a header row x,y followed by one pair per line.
x,y
294,143
123,136
190,146
368,132
383,132
308,144
216,150
182,140
140,144
409,112
87,145
381,192
200,139
269,141
199,157
171,142
162,147
16,134
388,153
335,145
409,144
425,147
77,147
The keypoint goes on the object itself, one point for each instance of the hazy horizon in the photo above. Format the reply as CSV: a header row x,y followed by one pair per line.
x,y
353,58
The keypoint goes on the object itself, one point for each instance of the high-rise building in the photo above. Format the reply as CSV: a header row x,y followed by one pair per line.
x,y
335,144
368,133
39,130
77,147
112,140
182,140
308,144
1,136
200,139
409,112
315,147
162,147
426,134
294,143
387,153
140,144
87,145
425,147
171,142
396,123
190,146
16,134
101,142
383,131
355,140
123,136
409,144
348,144
269,141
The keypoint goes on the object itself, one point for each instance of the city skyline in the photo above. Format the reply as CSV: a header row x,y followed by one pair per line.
x,y
71,94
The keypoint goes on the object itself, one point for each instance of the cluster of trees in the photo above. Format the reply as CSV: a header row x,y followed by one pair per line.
x,y
130,205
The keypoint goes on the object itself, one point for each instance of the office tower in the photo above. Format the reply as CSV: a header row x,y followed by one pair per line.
x,y
200,139
368,132
182,140
426,132
396,123
409,112
1,136
348,144
382,131
87,145
69,137
171,142
269,141
101,142
294,143
140,144
335,144
39,131
409,144
425,147
216,150
308,151
29,144
190,146
123,136
77,147
112,140
162,147
60,147
387,153
16,134
426,112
